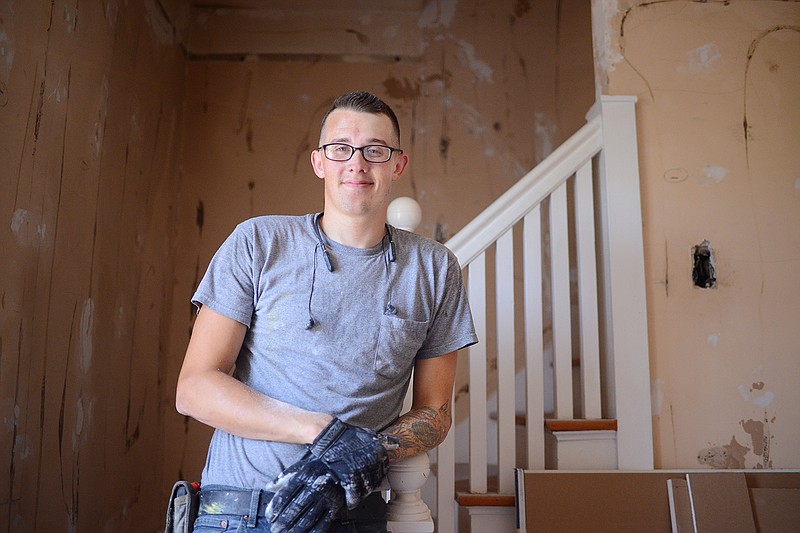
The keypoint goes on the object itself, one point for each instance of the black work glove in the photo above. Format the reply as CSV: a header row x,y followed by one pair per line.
x,y
307,498
356,455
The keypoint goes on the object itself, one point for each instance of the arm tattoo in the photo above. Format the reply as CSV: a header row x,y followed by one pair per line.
x,y
419,430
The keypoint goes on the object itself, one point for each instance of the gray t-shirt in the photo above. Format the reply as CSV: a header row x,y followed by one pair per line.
x,y
356,362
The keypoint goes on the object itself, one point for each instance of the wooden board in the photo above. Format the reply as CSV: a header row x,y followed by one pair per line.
x,y
619,501
720,502
776,510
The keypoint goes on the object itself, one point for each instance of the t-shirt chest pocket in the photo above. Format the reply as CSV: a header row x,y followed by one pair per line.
x,y
398,342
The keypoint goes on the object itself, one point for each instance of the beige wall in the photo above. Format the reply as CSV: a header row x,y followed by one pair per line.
x,y
90,113
725,361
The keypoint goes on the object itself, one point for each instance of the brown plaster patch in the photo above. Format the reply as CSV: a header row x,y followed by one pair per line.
x,y
761,437
736,454
401,89
521,7
723,457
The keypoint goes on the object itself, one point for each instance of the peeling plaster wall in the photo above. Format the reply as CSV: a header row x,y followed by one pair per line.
x,y
719,131
89,126
496,88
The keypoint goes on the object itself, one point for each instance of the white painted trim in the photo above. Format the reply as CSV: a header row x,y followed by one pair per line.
x,y
446,479
587,292
561,304
600,434
476,282
528,192
534,349
506,340
626,318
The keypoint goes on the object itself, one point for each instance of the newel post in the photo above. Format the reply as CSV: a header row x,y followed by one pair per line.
x,y
625,310
406,510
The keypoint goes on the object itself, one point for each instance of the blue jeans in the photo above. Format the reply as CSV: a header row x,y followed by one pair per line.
x,y
369,518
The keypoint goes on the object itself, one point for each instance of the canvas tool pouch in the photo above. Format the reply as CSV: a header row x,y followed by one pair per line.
x,y
182,509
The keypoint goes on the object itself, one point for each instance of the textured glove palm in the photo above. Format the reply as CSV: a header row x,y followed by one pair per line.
x,y
355,455
307,498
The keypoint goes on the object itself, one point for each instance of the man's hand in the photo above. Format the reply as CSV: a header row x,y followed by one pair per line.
x,y
357,456
345,465
307,498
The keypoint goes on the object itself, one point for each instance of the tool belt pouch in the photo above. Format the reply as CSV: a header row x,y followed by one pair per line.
x,y
182,509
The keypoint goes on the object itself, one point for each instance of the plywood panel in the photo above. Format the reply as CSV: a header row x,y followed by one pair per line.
x,y
720,502
776,510
620,501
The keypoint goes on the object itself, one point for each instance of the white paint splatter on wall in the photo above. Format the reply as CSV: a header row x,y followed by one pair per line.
x,y
603,14
71,18
112,10
701,59
160,27
757,397
657,397
714,456
102,112
22,447
86,330
466,54
437,13
6,52
28,228
714,174
713,340
19,217
545,130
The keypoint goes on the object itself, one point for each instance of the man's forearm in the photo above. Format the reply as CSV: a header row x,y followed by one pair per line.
x,y
419,430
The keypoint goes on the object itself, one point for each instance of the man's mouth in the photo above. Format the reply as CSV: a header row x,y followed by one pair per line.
x,y
357,183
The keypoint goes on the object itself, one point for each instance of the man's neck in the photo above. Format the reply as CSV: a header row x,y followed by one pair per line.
x,y
353,231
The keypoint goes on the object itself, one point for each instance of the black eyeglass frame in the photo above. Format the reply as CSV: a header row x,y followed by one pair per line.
x,y
360,149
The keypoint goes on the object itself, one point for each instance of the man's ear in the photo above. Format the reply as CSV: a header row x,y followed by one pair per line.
x,y
316,164
400,166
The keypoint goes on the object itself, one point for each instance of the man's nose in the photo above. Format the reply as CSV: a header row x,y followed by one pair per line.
x,y
358,162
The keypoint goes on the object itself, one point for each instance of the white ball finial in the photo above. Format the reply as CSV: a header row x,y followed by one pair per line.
x,y
404,213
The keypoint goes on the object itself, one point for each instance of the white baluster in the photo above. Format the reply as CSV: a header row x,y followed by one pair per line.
x,y
406,511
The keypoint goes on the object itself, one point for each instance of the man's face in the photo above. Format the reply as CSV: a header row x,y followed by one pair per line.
x,y
358,187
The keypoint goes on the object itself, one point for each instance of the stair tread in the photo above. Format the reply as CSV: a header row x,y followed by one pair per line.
x,y
490,499
597,424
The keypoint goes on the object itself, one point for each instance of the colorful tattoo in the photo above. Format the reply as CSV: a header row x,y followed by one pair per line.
x,y
419,430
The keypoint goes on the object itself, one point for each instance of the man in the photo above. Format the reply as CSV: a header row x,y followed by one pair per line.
x,y
307,332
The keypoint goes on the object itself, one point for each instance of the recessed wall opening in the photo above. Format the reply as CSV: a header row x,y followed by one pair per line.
x,y
704,273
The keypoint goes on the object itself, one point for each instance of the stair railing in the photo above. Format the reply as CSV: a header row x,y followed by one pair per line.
x,y
578,210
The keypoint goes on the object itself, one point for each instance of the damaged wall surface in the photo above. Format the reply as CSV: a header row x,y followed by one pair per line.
x,y
90,100
718,128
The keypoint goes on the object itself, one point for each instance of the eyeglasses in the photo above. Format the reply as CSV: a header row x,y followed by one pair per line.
x,y
373,153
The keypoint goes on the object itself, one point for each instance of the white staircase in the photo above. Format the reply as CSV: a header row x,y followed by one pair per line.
x,y
555,275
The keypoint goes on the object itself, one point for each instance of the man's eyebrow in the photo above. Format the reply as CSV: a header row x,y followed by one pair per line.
x,y
346,140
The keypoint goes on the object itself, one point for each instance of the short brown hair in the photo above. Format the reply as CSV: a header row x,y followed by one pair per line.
x,y
363,102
